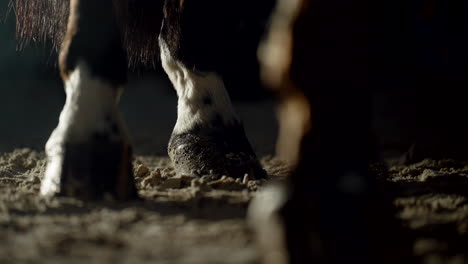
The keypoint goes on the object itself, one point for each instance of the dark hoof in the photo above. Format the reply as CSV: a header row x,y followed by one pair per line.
x,y
293,228
214,151
294,224
91,171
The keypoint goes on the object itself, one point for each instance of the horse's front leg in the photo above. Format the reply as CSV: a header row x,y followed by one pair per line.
x,y
321,56
208,137
88,154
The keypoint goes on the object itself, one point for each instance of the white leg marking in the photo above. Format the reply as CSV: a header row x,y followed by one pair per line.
x,y
88,104
192,89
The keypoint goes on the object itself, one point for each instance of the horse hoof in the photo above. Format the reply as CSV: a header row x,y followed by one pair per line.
x,y
90,171
214,151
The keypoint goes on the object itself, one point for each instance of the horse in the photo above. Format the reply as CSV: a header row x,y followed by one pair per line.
x,y
89,153
323,57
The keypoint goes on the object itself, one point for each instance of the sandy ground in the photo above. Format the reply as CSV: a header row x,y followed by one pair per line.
x,y
202,221
179,221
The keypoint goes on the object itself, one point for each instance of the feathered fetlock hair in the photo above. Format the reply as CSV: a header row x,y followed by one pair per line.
x,y
139,20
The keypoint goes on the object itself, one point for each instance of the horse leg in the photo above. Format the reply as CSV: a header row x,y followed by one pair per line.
x,y
208,137
320,55
88,154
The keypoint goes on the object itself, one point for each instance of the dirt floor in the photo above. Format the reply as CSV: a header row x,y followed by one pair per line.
x,y
201,221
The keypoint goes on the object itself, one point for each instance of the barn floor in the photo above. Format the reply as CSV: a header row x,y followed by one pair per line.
x,y
179,223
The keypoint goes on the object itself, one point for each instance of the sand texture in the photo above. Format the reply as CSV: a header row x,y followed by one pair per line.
x,y
185,220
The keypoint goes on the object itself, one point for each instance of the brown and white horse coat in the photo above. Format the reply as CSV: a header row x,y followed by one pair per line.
x,y
194,40
324,57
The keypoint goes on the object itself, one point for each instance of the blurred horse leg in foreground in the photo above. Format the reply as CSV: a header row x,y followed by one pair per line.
x,y
324,58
